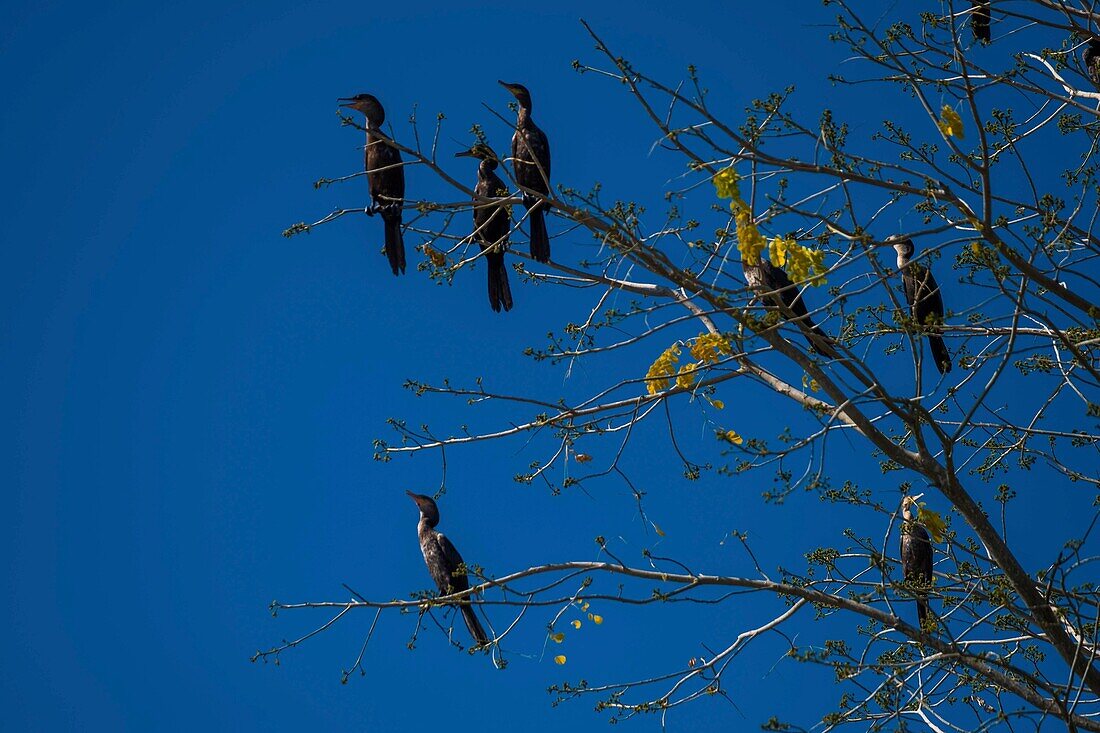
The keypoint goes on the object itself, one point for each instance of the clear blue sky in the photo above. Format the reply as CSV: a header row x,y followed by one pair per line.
x,y
191,398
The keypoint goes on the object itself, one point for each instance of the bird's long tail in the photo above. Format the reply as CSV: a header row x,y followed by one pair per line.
x,y
395,244
500,295
940,354
822,344
474,625
922,609
540,240
979,20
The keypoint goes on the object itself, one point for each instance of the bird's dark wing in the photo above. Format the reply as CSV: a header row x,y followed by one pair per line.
x,y
540,147
529,144
384,172
778,279
459,581
927,300
916,553
916,563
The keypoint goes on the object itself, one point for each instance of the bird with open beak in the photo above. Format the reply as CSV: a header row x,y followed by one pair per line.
x,y
385,176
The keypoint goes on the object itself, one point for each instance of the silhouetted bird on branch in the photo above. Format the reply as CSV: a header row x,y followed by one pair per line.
x,y
923,295
491,224
531,161
775,286
444,563
916,555
386,176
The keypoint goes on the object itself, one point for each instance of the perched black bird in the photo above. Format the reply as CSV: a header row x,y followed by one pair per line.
x,y
491,224
979,19
444,562
916,555
923,295
531,159
1091,57
773,284
386,177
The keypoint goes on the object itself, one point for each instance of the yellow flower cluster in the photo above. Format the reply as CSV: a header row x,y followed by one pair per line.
x,y
657,378
706,348
950,124
750,242
709,347
801,263
685,378
725,184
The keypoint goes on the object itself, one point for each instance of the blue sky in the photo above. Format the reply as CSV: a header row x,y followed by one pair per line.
x,y
194,396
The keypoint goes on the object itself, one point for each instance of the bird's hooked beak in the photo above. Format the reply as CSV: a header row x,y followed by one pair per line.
x,y
347,102
506,85
465,153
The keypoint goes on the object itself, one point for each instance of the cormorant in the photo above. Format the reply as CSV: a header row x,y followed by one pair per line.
x,y
775,285
1091,57
386,177
443,562
923,295
491,224
979,19
531,160
916,555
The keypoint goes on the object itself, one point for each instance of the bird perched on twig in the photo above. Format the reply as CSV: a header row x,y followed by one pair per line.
x,y
916,555
922,292
444,563
491,224
386,177
531,159
773,284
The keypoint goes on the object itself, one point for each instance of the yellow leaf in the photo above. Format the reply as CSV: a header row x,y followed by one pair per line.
x,y
438,258
932,521
584,606
560,659
582,457
596,618
731,437
658,530
950,124
558,637
576,623
718,404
